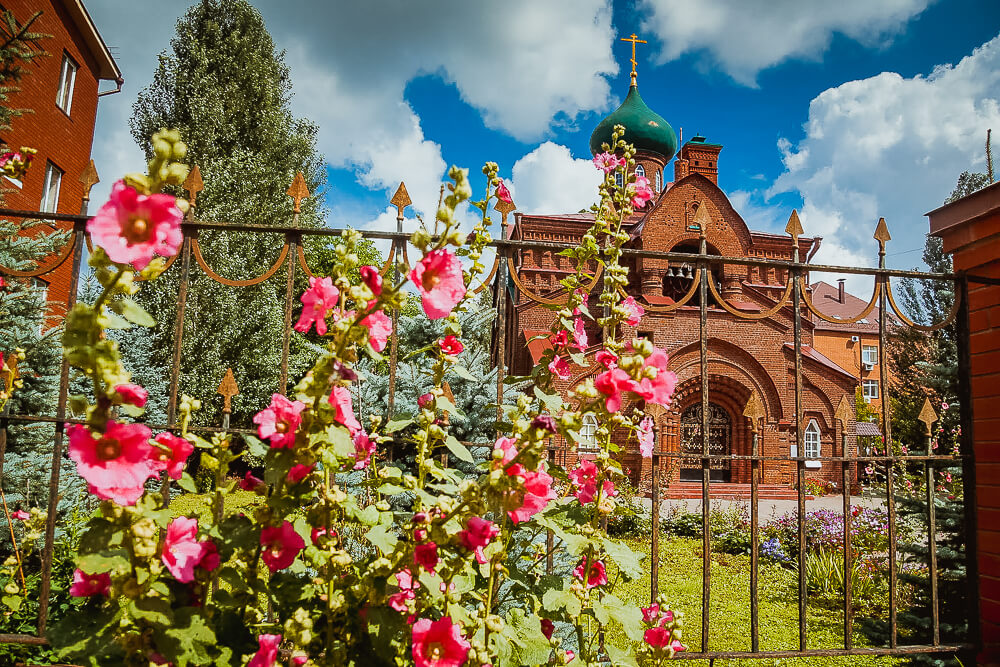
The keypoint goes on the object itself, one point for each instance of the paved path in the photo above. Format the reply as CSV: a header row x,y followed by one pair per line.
x,y
767,508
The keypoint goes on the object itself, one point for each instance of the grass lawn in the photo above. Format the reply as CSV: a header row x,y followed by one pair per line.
x,y
200,504
729,620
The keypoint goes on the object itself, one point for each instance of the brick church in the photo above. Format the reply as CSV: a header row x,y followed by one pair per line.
x,y
745,357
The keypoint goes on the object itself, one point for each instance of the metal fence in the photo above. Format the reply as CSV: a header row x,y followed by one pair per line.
x,y
292,259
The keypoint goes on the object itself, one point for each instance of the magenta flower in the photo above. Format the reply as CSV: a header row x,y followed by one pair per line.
x,y
548,627
379,327
424,400
317,301
278,421
426,556
280,545
537,493
267,654
131,394
559,367
597,575
503,194
653,615
634,310
640,192
646,437
182,551
606,357
132,227
660,388
477,535
299,472
372,278
340,398
657,637
608,162
116,464
451,345
364,448
251,483
180,450
20,515
439,643
438,278
612,383
84,585
579,334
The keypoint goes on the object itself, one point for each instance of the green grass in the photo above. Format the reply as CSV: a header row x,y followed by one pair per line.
x,y
680,580
200,504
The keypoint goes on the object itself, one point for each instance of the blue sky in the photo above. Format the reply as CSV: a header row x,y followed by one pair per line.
x,y
847,111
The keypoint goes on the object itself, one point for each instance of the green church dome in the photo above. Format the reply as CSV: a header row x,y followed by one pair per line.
x,y
644,128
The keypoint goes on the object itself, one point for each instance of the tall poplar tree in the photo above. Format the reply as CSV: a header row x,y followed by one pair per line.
x,y
226,88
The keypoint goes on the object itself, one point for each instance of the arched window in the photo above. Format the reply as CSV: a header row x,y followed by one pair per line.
x,y
658,180
640,171
811,444
588,433
619,180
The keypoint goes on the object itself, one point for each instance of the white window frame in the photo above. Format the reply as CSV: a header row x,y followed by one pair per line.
x,y
67,82
619,179
640,171
812,446
588,433
869,354
51,172
659,183
866,389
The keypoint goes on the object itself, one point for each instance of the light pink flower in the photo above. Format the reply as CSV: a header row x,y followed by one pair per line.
x,y
477,535
84,585
646,437
640,192
20,515
371,277
503,194
280,545
439,643
299,472
116,464
509,448
340,398
132,227
537,493
180,450
364,448
251,483
279,421
612,383
608,162
131,394
597,575
379,329
438,278
659,389
407,584
945,406
319,299
579,334
584,478
634,310
182,551
559,367
426,556
267,654
451,345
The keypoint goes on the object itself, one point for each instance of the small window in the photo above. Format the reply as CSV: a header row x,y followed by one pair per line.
x,y
588,432
640,171
811,444
67,79
659,184
645,335
50,189
619,179
869,355
869,389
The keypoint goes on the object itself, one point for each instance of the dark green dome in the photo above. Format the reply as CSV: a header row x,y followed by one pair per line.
x,y
644,128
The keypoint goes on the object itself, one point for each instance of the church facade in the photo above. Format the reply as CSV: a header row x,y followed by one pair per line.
x,y
746,357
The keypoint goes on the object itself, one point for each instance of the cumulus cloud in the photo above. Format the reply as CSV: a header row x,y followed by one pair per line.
x,y
549,180
744,37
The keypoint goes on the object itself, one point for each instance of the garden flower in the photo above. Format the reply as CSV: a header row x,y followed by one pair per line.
x,y
84,585
426,556
579,334
537,494
612,383
279,421
180,450
439,643
340,398
132,227
477,534
548,627
606,357
639,191
653,615
319,299
424,400
407,584
438,278
608,162
597,575
267,654
659,637
944,406
116,464
299,472
182,551
559,339
646,437
131,394
451,345
372,278
317,534
584,477
503,194
20,515
559,367
634,310
544,422
364,447
280,545
660,388
251,483
379,329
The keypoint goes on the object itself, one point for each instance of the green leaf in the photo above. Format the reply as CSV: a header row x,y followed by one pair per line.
x,y
156,611
383,538
132,312
458,449
620,656
556,599
186,482
552,402
368,516
525,634
255,446
343,444
447,406
397,425
114,321
111,561
463,372
629,562
13,602
188,641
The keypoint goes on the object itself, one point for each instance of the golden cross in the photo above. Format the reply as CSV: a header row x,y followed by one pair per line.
x,y
635,40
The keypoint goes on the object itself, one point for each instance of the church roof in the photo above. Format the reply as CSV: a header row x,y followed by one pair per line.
x,y
826,298
809,352
644,128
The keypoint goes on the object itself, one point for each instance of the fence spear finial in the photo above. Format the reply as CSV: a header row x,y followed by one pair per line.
x,y
298,191
504,208
89,178
193,184
843,413
927,416
228,388
400,200
794,227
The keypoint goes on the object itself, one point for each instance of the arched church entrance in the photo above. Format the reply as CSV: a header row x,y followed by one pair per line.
x,y
720,442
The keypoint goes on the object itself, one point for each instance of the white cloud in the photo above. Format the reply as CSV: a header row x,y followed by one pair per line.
x,y
892,147
549,180
744,37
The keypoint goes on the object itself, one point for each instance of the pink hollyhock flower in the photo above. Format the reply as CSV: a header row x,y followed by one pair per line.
x,y
439,643
340,398
509,448
210,560
945,406
606,357
608,162
407,584
659,389
372,278
280,545
379,329
319,299
182,551
477,535
597,575
424,400
251,483
503,194
84,585
299,472
548,627
299,660
451,345
132,227
20,515
116,464
559,367
646,437
653,615
319,533
559,339
657,637
579,334
438,278
612,383
267,654
640,192
364,447
634,310
426,556
279,421
132,394
180,450
537,494
584,477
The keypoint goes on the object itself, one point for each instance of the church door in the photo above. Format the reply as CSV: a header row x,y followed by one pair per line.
x,y
720,440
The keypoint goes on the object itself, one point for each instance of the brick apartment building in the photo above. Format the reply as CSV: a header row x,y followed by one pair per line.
x,y
745,357
62,91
